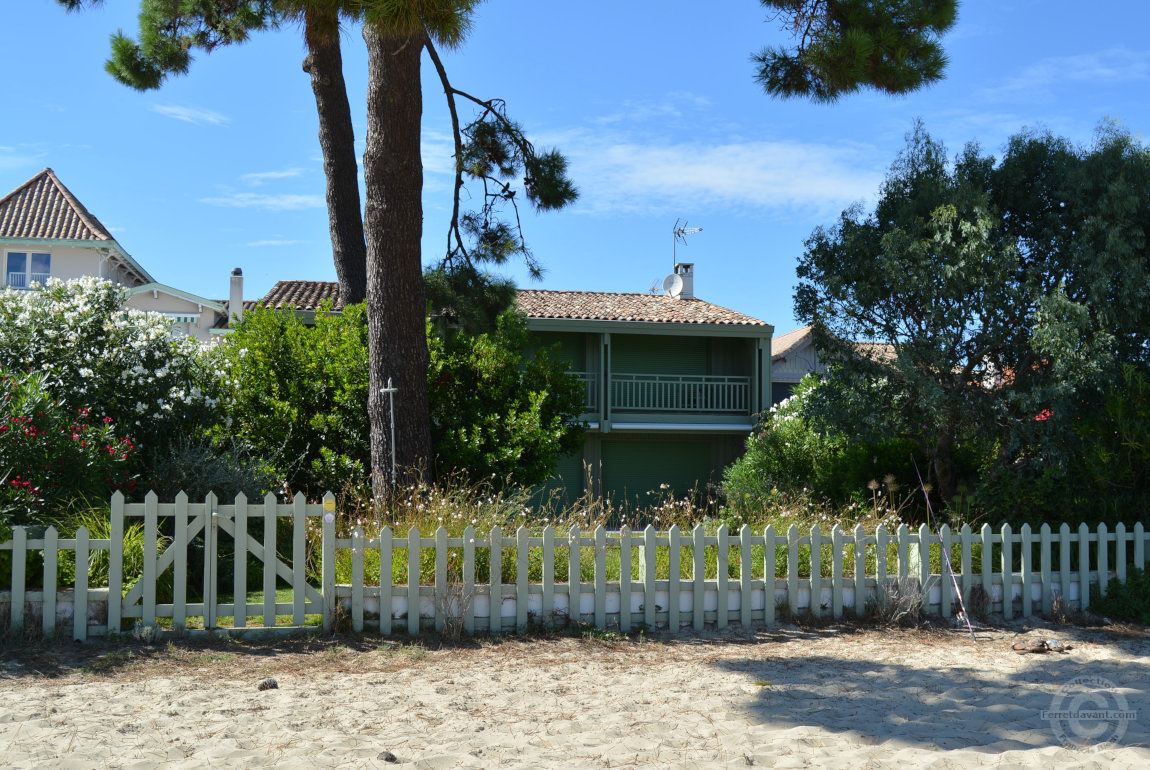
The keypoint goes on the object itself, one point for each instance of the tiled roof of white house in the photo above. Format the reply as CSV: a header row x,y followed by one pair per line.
x,y
44,208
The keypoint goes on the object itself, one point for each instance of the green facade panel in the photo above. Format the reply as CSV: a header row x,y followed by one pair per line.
x,y
632,467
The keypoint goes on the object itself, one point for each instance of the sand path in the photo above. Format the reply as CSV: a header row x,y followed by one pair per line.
x,y
832,697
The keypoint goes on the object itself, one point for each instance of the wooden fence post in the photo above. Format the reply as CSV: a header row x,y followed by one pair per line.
x,y
51,554
648,577
414,544
495,580
240,578
600,577
80,596
837,548
468,597
327,563
299,557
745,576
1083,566
722,576
574,575
860,570
387,578
698,588
1044,569
625,579
674,576
1007,574
521,578
149,573
356,580
269,582
548,608
816,569
19,566
179,563
116,563
769,575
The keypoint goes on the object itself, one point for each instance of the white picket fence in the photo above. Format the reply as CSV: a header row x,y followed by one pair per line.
x,y
667,587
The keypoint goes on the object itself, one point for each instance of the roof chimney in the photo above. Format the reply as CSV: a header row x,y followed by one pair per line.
x,y
686,271
236,295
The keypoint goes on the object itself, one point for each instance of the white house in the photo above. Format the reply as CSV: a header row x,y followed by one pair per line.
x,y
46,232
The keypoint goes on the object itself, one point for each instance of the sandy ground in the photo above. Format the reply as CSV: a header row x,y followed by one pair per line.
x,y
828,697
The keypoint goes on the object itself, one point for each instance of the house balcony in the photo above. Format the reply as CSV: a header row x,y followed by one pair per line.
x,y
25,280
669,393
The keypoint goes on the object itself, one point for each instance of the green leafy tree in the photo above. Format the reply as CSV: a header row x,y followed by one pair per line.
x,y
970,307
844,45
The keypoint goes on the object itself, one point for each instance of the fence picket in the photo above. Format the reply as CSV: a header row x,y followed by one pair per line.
x,y
1064,564
945,583
769,584
600,577
327,563
924,579
1120,552
988,565
356,580
179,563
548,576
521,579
967,578
240,578
836,572
903,549
116,562
881,547
1139,546
674,575
793,570
414,545
625,579
1103,559
495,581
1027,555
1007,574
574,575
441,599
816,562
51,553
860,570
1083,566
211,562
1044,568
298,560
149,573
80,595
387,578
648,577
19,566
698,575
745,576
722,575
269,571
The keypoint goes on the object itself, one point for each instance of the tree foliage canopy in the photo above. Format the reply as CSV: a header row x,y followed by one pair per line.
x,y
984,300
844,45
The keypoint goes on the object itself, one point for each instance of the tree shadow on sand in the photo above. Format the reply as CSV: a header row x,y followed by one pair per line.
x,y
921,704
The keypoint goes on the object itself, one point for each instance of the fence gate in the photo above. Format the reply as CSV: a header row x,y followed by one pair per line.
x,y
200,527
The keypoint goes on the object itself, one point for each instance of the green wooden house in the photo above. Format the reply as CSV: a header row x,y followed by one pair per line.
x,y
672,387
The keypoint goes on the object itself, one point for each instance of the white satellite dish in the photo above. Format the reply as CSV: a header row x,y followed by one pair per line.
x,y
673,285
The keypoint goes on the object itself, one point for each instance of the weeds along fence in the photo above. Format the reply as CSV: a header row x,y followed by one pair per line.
x,y
267,566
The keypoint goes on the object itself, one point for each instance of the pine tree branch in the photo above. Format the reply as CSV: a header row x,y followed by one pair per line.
x,y
449,93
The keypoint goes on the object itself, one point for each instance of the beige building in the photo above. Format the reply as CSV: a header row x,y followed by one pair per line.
x,y
46,232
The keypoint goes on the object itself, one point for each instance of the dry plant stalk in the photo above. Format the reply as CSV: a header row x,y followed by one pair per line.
x,y
452,607
898,602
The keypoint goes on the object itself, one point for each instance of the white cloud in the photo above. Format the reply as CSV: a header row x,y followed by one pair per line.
x,y
1102,68
633,176
191,114
258,178
671,107
269,202
275,243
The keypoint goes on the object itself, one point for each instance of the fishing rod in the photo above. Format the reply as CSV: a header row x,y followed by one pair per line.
x,y
945,550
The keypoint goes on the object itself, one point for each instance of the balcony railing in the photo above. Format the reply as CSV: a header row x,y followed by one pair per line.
x,y
24,280
680,393
590,381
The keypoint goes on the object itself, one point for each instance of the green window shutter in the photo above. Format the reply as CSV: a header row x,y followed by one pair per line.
x,y
566,486
652,354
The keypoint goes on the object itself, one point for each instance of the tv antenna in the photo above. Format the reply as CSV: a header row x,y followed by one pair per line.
x,y
679,235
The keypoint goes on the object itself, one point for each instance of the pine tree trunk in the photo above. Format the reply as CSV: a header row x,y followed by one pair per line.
x,y
393,220
337,140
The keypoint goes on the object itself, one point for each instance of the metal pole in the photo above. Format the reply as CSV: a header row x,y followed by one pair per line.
x,y
391,408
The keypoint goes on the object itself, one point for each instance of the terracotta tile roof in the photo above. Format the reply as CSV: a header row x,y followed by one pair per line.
x,y
540,303
43,207
782,345
608,306
302,295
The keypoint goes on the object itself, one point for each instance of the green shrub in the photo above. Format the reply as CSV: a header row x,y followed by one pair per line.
x,y
1124,601
53,456
297,395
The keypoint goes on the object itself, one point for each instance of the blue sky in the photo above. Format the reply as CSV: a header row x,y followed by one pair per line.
x,y
653,102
